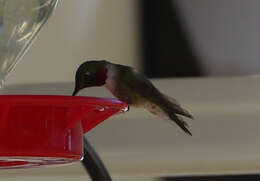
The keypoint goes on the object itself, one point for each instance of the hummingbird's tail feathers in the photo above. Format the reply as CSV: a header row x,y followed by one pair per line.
x,y
182,124
169,115
177,107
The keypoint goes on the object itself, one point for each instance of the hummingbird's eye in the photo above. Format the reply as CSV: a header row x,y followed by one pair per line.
x,y
86,76
86,79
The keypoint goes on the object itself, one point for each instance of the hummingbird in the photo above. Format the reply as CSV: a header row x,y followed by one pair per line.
x,y
131,87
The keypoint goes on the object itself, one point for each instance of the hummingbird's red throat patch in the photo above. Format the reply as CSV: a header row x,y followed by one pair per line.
x,y
102,74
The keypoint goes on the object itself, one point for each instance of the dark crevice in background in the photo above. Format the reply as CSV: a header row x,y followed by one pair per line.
x,y
166,50
214,178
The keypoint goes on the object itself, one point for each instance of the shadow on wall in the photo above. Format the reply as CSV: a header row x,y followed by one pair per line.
x,y
167,50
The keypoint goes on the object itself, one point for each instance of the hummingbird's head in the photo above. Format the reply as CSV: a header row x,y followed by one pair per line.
x,y
90,74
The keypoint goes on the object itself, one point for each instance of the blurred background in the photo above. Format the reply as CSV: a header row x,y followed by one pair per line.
x,y
170,38
167,38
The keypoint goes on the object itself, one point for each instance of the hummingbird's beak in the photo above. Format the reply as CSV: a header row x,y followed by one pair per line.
x,y
76,90
78,86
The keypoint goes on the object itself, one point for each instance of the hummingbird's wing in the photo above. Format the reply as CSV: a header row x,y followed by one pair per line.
x,y
156,102
139,84
135,86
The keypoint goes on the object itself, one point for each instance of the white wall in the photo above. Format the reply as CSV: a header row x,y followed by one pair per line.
x,y
225,33
77,31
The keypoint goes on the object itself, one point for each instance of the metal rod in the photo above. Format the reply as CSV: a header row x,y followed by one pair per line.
x,y
93,164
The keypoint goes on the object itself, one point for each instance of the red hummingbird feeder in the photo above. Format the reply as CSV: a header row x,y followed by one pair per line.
x,y
46,130
40,130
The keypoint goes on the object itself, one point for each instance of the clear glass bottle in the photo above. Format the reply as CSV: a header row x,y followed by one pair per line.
x,y
20,22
